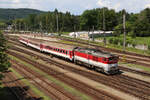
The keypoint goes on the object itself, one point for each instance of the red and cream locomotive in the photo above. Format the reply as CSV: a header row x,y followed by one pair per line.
x,y
96,59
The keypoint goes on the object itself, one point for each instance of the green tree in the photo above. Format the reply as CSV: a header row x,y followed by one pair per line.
x,y
88,19
119,29
4,61
3,25
142,24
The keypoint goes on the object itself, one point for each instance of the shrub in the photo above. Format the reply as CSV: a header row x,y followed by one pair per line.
x,y
133,44
110,40
121,42
116,41
149,47
128,42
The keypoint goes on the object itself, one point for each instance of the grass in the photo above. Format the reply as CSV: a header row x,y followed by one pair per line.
x,y
137,40
59,83
136,66
32,87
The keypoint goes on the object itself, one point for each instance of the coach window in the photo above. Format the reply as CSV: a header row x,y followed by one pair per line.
x,y
66,52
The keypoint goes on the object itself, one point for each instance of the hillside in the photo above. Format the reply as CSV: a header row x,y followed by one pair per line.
x,y
7,14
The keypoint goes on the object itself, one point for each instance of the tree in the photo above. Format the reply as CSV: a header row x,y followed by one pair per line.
x,y
119,29
3,25
88,19
142,24
94,17
4,61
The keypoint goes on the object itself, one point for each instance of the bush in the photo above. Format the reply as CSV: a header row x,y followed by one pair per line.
x,y
121,42
110,40
133,44
128,42
116,41
149,47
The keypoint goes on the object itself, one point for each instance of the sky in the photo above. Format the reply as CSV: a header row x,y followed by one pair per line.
x,y
77,6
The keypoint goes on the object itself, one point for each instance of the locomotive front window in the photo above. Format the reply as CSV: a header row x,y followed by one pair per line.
x,y
111,58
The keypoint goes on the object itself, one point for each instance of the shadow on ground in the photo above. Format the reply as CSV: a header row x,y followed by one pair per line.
x,y
6,93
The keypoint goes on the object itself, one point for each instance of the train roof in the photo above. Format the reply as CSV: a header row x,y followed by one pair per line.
x,y
95,52
51,43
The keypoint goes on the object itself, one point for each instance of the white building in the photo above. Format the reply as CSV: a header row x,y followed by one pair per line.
x,y
86,34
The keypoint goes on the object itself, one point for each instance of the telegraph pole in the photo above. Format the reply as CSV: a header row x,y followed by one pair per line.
x,y
124,29
57,22
93,34
104,26
74,31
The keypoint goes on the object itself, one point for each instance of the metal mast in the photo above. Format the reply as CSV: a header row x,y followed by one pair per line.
x,y
124,29
104,26
57,22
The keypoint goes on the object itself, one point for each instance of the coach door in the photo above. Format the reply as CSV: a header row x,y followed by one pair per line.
x,y
71,54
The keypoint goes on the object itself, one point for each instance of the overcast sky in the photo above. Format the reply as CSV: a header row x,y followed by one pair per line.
x,y
77,6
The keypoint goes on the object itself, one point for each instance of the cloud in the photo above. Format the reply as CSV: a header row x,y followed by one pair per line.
x,y
147,6
103,3
131,6
77,6
117,6
16,1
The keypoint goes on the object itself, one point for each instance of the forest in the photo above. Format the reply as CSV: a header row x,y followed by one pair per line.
x,y
137,24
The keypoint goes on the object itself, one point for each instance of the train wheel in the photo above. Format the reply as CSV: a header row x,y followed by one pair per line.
x,y
75,61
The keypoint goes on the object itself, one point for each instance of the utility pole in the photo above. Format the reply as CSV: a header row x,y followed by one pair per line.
x,y
93,34
57,22
124,29
104,27
40,26
74,31
88,37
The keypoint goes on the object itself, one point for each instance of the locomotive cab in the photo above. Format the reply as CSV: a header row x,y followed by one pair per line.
x,y
112,63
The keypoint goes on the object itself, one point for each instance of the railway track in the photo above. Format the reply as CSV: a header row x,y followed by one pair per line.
x,y
126,57
135,71
18,89
121,67
54,91
136,87
123,83
94,93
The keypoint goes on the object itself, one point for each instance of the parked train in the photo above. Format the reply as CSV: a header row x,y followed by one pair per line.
x,y
99,60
